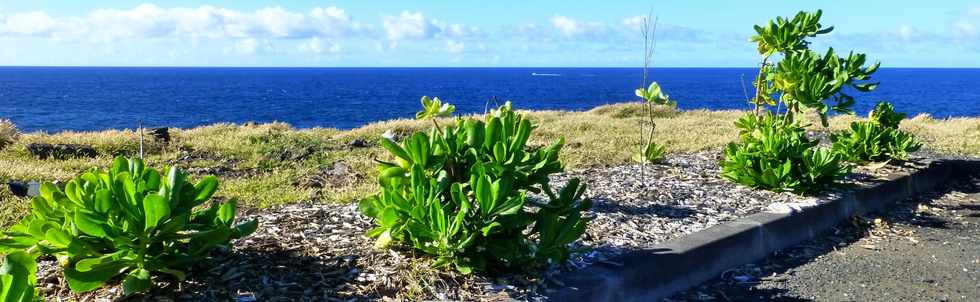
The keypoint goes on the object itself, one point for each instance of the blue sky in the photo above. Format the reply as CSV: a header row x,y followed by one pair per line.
x,y
465,33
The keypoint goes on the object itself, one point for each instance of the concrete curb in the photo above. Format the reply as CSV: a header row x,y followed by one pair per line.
x,y
648,275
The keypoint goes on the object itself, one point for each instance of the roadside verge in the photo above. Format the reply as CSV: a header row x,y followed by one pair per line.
x,y
651,274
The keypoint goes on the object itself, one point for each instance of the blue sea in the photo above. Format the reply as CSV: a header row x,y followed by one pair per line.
x,y
94,98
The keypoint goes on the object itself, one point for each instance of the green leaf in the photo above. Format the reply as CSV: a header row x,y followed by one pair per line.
x,y
90,225
384,239
474,132
95,263
119,165
247,228
58,237
395,149
49,192
463,269
180,275
175,180
41,209
17,278
492,135
136,281
81,282
156,209
103,201
226,213
205,189
175,224
19,264
368,207
434,108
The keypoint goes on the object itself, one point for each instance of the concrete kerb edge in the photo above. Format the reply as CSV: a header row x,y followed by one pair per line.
x,y
679,264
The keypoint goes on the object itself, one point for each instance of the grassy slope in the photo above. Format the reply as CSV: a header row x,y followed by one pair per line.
x,y
270,164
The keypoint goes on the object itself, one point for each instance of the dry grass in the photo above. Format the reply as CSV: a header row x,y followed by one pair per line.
x,y
955,136
12,209
8,133
272,164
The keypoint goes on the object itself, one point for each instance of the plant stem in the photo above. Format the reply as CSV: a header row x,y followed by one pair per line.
x,y
759,81
438,128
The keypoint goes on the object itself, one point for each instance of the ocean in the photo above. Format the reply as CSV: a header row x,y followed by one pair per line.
x,y
95,98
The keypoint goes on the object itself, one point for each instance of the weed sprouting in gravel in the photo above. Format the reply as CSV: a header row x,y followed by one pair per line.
x,y
652,96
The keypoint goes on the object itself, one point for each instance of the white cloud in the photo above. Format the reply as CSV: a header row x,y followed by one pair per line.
x,y
409,25
907,33
146,20
973,11
247,46
455,47
315,45
566,25
151,21
36,23
571,28
332,21
965,30
457,30
250,46
635,23
525,32
414,25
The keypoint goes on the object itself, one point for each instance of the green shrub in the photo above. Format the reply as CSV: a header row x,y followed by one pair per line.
x,y
877,139
18,282
804,79
775,154
459,193
128,221
8,133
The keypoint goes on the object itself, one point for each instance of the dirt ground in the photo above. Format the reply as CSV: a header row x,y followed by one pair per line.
x,y
925,249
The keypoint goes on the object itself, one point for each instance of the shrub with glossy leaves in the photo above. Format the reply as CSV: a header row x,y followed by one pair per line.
x,y
775,154
876,139
130,220
460,193
804,79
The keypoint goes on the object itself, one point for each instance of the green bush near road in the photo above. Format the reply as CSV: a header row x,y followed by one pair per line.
x,y
130,220
460,193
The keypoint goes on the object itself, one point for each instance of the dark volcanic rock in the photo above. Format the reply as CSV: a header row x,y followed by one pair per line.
x,y
161,134
61,151
359,143
18,188
28,189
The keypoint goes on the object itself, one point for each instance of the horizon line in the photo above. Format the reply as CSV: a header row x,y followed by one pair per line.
x,y
424,67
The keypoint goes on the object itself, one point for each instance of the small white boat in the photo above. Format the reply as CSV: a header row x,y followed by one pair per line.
x,y
545,74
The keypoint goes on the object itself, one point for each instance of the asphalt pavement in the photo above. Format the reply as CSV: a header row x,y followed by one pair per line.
x,y
923,249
